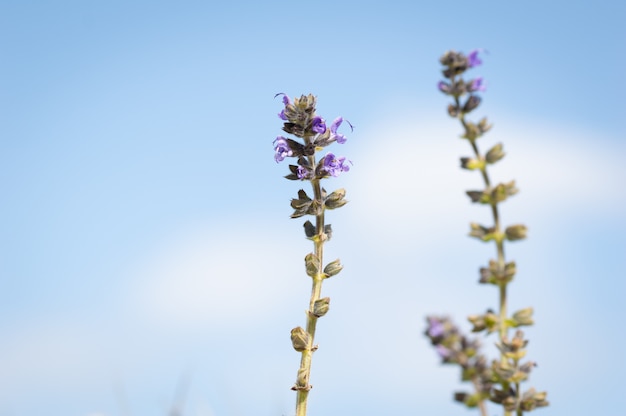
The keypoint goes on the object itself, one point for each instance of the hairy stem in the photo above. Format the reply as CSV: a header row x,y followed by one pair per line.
x,y
481,403
503,332
316,290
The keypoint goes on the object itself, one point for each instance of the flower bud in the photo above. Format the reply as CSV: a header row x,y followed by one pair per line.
x,y
516,232
336,199
494,154
332,268
312,263
471,164
532,399
481,232
523,317
320,307
472,102
300,339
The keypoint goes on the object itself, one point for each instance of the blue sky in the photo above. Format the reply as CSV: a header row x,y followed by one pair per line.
x,y
145,235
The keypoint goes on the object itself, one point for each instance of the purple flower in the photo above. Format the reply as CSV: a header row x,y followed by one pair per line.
x,y
282,149
436,328
302,172
286,101
477,84
443,87
335,165
340,138
318,125
473,59
443,351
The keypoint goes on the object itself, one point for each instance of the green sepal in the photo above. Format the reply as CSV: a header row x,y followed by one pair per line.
x,y
523,317
532,399
481,232
336,199
502,191
494,276
309,229
332,268
328,231
489,321
482,197
493,195
312,265
516,232
494,154
300,339
301,205
320,307
472,164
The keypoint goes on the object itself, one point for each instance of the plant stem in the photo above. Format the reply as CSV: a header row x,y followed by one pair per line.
x,y
316,290
481,402
503,332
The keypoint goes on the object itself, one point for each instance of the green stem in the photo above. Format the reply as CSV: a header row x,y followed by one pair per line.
x,y
481,403
503,331
316,290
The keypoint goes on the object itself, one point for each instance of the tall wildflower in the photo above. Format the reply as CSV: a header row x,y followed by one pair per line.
x,y
301,121
499,382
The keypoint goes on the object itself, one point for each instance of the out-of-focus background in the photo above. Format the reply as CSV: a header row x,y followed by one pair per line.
x,y
147,258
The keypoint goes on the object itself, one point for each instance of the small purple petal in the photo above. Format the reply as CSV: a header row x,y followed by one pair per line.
x,y
302,172
443,87
473,59
282,149
336,123
282,115
442,351
286,99
477,84
340,138
334,165
318,125
436,329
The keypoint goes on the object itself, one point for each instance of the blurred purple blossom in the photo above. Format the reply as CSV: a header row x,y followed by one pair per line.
x,y
473,59
435,328
443,351
477,84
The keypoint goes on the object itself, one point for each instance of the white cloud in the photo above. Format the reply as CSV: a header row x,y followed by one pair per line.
x,y
215,277
406,176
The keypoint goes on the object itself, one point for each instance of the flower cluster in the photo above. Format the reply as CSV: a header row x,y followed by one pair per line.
x,y
456,64
455,348
301,121
500,383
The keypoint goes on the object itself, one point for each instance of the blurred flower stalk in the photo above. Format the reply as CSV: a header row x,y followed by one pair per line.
x,y
301,121
500,381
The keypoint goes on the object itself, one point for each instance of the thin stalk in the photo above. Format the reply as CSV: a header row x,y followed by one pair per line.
x,y
481,403
503,332
316,290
